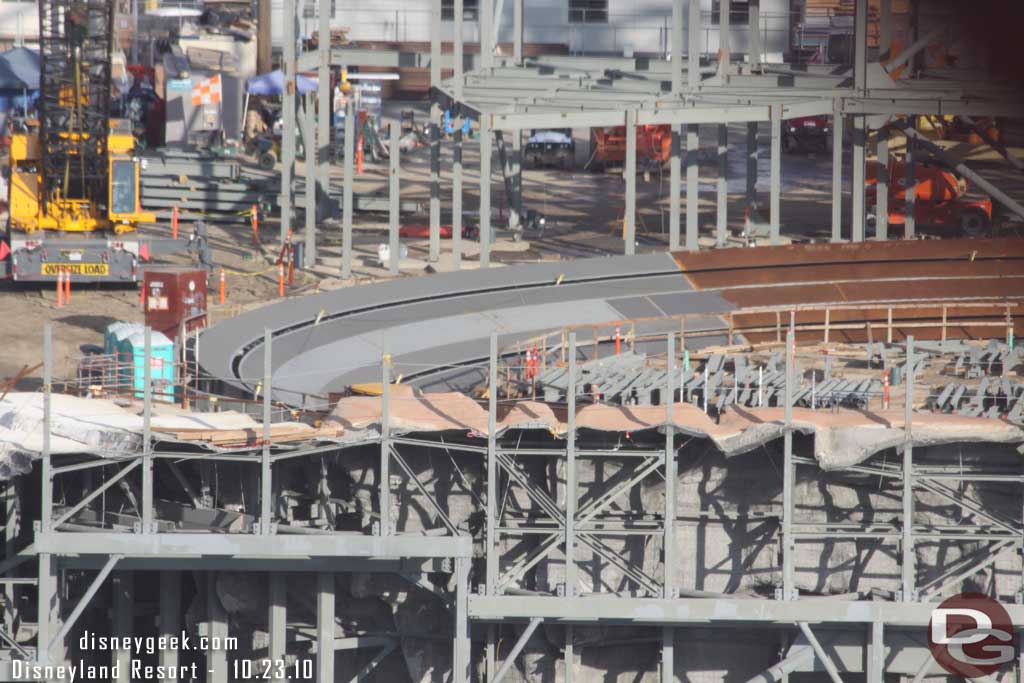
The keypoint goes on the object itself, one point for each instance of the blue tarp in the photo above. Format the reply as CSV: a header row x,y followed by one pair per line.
x,y
273,84
19,69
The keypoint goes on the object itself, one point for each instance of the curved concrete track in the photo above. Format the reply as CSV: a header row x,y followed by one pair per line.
x,y
437,327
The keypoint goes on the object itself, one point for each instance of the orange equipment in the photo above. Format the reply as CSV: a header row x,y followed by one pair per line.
x,y
653,144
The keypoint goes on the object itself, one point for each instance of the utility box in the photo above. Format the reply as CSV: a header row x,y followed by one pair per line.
x,y
173,296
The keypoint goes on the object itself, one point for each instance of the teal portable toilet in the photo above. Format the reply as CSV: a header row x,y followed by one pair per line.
x,y
161,364
117,346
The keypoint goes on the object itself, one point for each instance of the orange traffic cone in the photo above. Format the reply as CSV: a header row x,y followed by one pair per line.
x,y
174,223
280,278
67,289
255,225
222,286
60,288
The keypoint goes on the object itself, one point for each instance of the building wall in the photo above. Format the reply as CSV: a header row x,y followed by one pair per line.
x,y
633,25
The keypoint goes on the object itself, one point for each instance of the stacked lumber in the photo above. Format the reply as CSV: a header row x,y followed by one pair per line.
x,y
280,433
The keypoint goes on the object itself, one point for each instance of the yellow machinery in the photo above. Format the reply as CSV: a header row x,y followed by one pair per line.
x,y
31,211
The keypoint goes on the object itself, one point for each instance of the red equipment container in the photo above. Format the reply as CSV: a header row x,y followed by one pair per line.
x,y
172,295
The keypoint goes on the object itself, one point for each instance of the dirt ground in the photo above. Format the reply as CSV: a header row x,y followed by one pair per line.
x,y
584,213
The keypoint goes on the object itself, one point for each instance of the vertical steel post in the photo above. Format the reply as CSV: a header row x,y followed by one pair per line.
x,y
490,653
457,201
570,473
908,555
629,216
384,484
266,471
170,622
435,49
693,45
147,436
859,159
518,22
876,652
325,106
435,192
491,548
569,656
677,51
485,189
458,48
48,621
882,185
674,186
277,617
516,202
751,162
884,28
46,502
837,172
692,186
487,38
754,33
722,222
669,532
351,121
325,628
788,546
290,65
668,658
124,617
313,153
394,191
860,46
723,38
775,179
909,224
217,618
462,645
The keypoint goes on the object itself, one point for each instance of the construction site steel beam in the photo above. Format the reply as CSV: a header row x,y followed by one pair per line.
x,y
84,601
435,189
570,470
309,140
668,658
798,658
857,189
569,656
693,45
394,197
217,631
347,191
289,19
458,48
485,191
124,623
266,471
876,652
837,173
457,199
170,622
147,524
751,162
820,653
518,22
435,47
910,186
520,643
325,628
882,184
723,39
860,46
277,617
692,185
788,473
629,211
754,33
487,38
324,107
490,541
45,465
669,530
722,194
884,29
908,555
384,478
775,175
677,47
674,186
462,645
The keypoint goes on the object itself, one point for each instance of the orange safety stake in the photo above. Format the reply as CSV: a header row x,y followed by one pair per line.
x,y
618,340
529,362
60,288
67,288
221,285
255,225
142,296
174,223
280,278
359,155
885,390
291,265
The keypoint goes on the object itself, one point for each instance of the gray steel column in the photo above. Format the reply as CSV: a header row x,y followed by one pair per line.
x,y
775,180
312,181
394,196
458,48
723,37
569,656
123,587
669,533
570,473
668,658
788,546
457,201
46,494
693,45
692,186
909,224
435,191
677,49
751,161
517,179
266,471
435,46
876,653
486,9
722,222
518,21
384,484
325,104
277,618
491,547
884,28
754,33
837,172
170,621
346,197
859,160
485,190
289,123
629,217
216,659
908,556
882,185
47,605
462,644
860,45
325,628
674,188
147,435
490,653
